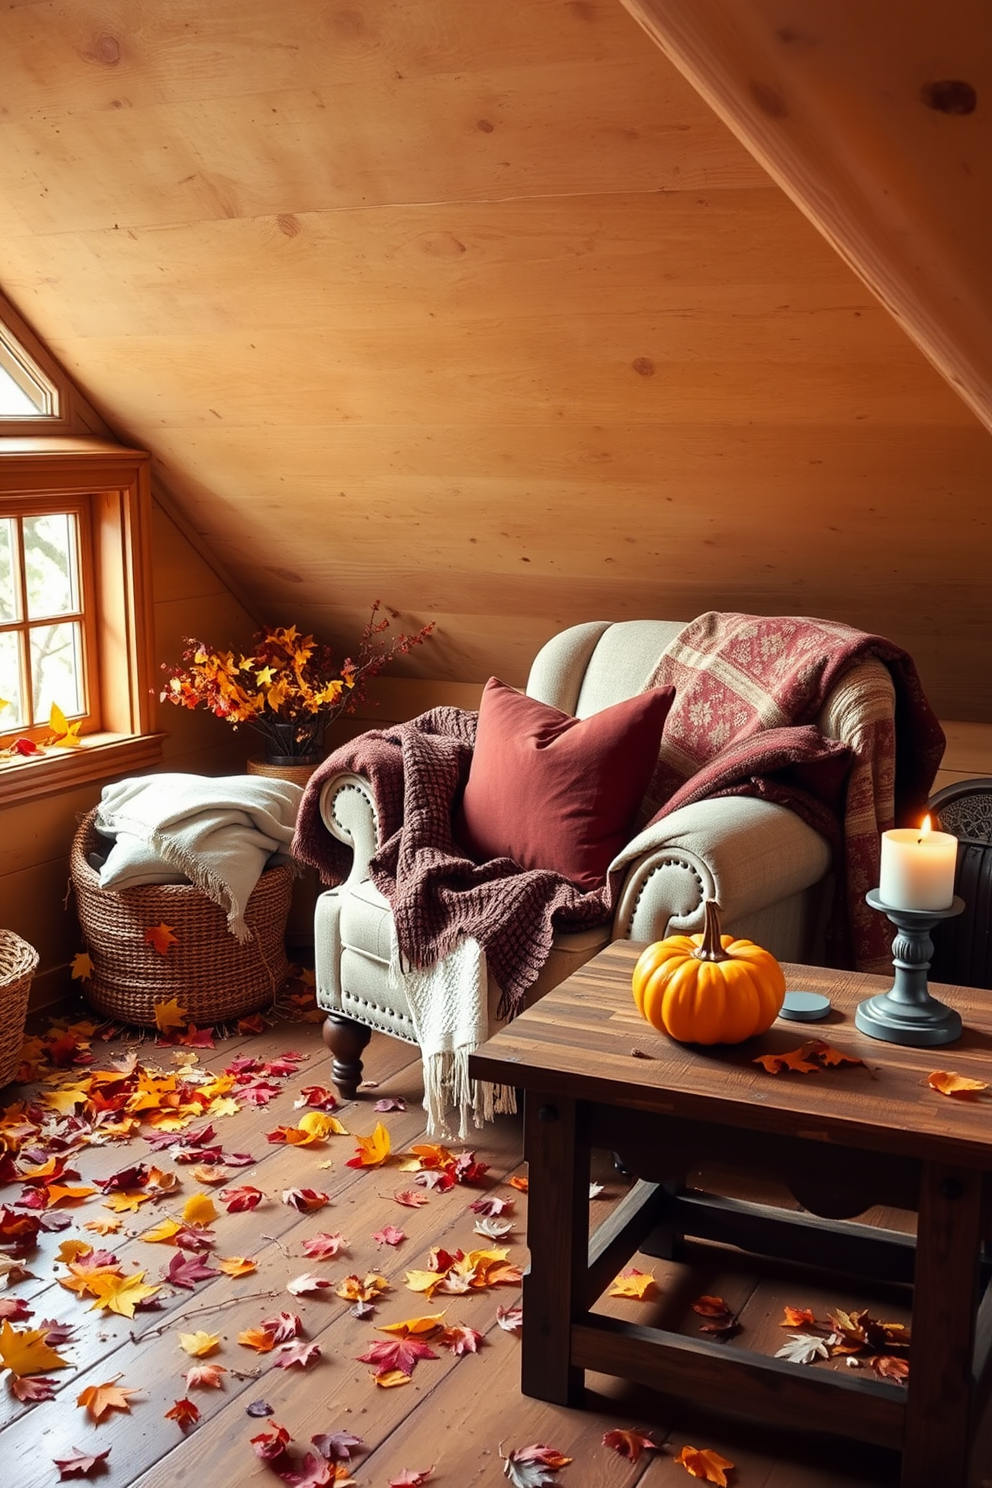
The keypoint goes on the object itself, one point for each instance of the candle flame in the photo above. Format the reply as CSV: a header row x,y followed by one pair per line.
x,y
924,829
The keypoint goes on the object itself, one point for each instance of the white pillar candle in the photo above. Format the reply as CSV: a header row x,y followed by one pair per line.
x,y
917,870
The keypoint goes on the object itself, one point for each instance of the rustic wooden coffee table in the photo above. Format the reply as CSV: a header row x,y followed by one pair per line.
x,y
845,1139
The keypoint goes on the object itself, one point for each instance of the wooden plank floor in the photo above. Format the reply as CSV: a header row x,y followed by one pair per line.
x,y
456,1412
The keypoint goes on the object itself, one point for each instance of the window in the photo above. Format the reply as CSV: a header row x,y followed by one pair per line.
x,y
47,655
25,391
76,616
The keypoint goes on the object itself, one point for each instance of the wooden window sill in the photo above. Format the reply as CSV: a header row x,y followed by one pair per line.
x,y
99,757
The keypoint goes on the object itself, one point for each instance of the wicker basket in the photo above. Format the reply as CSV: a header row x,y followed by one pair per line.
x,y
18,962
211,974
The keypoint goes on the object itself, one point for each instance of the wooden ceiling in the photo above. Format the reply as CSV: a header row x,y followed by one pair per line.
x,y
481,310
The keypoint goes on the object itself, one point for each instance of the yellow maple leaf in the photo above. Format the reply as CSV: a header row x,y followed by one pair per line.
x,y
632,1283
24,1351
82,967
237,1266
199,1209
319,1124
168,1014
390,1378
99,1399
424,1281
372,1150
198,1344
413,1326
961,1086
223,1106
65,735
69,1249
162,1233
126,1199
355,1289
120,1294
65,1100
103,1226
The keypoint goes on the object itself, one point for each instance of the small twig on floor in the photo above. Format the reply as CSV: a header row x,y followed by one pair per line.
x,y
274,1240
197,1311
245,1374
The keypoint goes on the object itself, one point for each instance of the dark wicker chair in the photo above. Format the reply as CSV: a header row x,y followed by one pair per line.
x,y
963,946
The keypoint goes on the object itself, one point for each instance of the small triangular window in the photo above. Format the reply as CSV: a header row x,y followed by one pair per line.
x,y
25,391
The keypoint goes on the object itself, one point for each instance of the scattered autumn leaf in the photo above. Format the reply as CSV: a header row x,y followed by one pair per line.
x,y
511,1319
237,1199
301,1353
949,1083
409,1479
199,1209
300,1285
803,1348
373,1150
205,1377
237,1266
120,1294
30,1389
519,1183
198,1344
810,1058
534,1466
629,1444
82,967
797,1317
389,1235
632,1283
99,1399
411,1198
705,1464
162,936
324,1247
184,1413
26,1351
306,1200
80,1464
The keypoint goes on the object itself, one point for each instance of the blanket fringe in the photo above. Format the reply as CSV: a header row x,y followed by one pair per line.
x,y
448,1088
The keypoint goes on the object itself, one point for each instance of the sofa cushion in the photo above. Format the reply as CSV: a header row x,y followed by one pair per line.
x,y
552,791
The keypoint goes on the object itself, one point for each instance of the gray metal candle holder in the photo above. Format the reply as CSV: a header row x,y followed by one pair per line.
x,y
907,1014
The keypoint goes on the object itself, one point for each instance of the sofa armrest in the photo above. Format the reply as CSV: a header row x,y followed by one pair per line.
x,y
746,853
347,809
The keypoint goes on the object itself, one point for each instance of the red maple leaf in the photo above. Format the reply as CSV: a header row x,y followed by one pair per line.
x,y
184,1413
389,1235
33,1388
629,1444
324,1246
396,1353
186,1271
237,1199
287,1325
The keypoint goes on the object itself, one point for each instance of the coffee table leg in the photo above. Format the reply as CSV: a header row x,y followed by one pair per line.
x,y
937,1433
558,1238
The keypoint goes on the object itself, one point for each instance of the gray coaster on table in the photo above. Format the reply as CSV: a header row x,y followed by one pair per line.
x,y
805,1007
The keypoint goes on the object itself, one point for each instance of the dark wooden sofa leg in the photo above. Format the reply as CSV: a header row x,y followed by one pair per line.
x,y
346,1039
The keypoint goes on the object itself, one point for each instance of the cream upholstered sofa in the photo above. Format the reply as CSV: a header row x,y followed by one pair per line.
x,y
769,870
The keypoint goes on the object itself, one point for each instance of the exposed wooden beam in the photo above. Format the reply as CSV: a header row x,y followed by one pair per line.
x,y
876,120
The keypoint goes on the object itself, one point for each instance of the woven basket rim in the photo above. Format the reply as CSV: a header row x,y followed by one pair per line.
x,y
22,960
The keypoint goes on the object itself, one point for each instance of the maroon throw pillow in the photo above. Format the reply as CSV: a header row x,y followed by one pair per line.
x,y
552,791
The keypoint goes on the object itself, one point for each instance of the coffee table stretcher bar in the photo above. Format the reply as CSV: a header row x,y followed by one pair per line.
x,y
583,1091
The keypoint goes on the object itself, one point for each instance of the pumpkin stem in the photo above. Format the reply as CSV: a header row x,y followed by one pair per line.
x,y
712,947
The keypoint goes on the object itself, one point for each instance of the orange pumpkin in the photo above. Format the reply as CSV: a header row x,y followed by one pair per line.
x,y
708,988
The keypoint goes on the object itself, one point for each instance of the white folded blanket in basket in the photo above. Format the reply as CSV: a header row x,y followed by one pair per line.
x,y
219,833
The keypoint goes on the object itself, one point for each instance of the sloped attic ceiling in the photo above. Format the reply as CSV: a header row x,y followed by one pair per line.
x,y
478,309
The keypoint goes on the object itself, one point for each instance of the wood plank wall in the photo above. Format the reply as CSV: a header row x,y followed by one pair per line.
x,y
480,310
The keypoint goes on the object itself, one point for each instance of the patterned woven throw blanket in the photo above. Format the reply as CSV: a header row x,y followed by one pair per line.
x,y
737,677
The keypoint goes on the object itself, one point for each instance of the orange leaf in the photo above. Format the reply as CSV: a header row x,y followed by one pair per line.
x,y
372,1150
890,1368
710,1306
960,1086
629,1444
82,967
521,1183
414,1326
632,1283
162,937
184,1413
389,1378
797,1317
811,1057
237,1266
99,1399
205,1377
705,1464
259,1339
127,1198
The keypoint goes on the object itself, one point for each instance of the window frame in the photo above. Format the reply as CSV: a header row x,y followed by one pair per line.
x,y
115,483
